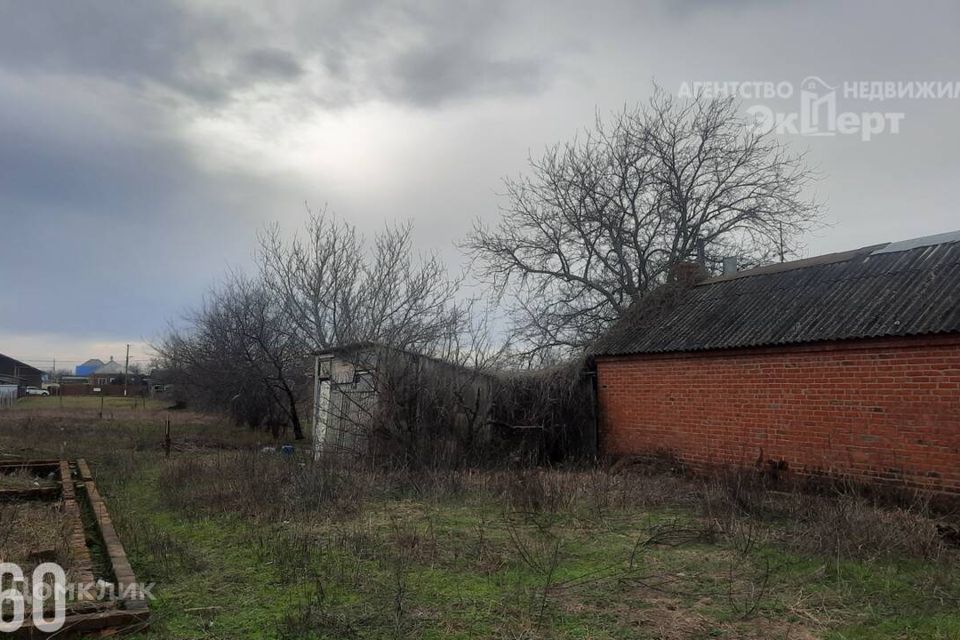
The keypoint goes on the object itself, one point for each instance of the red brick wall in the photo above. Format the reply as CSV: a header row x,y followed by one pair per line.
x,y
887,410
105,390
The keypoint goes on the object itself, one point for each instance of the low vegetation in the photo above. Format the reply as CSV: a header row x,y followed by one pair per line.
x,y
32,533
244,542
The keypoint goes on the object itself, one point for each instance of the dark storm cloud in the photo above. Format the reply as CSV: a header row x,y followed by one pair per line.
x,y
271,63
420,53
110,205
432,74
104,220
142,142
65,156
129,42
369,50
457,51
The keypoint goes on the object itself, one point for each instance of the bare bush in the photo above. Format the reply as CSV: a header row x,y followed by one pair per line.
x,y
842,524
259,485
239,355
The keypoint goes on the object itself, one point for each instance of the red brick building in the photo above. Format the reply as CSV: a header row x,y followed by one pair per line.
x,y
845,364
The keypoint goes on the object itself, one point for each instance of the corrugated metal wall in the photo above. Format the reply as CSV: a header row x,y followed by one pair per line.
x,y
8,395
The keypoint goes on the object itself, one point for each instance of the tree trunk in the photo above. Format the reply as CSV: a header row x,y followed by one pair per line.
x,y
294,415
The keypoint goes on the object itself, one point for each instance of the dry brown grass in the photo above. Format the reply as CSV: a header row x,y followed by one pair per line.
x,y
26,479
259,486
32,533
840,524
42,428
272,487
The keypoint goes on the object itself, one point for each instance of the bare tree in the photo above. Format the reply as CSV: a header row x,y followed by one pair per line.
x,y
600,222
200,359
238,353
265,342
335,289
245,349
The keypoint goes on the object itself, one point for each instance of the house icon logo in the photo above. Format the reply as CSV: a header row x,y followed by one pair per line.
x,y
818,107
818,113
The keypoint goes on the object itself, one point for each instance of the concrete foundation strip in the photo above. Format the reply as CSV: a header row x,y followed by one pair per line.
x,y
129,608
127,587
78,538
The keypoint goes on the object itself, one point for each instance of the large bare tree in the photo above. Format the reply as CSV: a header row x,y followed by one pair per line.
x,y
599,222
245,349
336,288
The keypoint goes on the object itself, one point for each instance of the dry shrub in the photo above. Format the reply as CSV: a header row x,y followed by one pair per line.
x,y
850,526
431,413
622,491
841,524
536,490
558,401
257,484
33,532
741,506
583,491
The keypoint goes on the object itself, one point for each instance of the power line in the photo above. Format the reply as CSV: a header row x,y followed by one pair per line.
x,y
63,359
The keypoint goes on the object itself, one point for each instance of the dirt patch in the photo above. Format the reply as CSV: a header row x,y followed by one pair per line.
x,y
668,619
765,629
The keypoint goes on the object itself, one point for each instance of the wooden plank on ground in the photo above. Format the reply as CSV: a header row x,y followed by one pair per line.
x,y
115,619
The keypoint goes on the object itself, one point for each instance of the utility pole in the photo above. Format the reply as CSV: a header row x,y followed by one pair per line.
x,y
126,369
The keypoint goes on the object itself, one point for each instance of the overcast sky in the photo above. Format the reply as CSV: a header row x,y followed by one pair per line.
x,y
143,144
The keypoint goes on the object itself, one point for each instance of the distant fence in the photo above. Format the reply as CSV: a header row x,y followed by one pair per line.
x,y
100,390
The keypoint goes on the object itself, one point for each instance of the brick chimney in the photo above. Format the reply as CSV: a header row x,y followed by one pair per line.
x,y
687,273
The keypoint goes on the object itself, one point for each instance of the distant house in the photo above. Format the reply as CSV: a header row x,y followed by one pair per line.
x,y
108,373
847,364
160,381
88,367
19,373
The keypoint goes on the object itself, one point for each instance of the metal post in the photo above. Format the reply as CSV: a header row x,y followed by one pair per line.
x,y
126,370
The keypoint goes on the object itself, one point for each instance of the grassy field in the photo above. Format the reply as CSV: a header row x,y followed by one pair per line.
x,y
248,544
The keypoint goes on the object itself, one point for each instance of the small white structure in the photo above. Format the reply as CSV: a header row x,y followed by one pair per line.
x,y
343,401
8,395
377,401
373,399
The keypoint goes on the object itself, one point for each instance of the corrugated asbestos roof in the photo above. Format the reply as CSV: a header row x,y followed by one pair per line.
x,y
897,289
